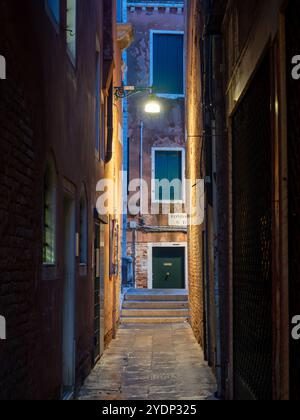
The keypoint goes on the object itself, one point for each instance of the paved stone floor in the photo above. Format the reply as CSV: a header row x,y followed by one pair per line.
x,y
151,362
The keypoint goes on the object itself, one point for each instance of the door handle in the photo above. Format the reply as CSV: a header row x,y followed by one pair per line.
x,y
167,276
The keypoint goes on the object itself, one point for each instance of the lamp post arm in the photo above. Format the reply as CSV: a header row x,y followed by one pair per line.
x,y
123,92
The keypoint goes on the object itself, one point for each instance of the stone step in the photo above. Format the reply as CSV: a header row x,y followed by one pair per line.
x,y
154,320
159,304
156,295
145,313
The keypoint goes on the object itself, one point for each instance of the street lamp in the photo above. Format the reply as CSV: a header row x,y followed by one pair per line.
x,y
152,106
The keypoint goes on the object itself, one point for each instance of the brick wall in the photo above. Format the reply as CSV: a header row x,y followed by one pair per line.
x,y
194,165
165,130
142,265
254,24
38,119
112,171
18,233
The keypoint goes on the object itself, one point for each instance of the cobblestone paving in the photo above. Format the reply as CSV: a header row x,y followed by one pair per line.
x,y
151,362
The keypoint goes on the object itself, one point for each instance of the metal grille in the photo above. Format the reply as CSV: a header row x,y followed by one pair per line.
x,y
293,104
97,293
252,241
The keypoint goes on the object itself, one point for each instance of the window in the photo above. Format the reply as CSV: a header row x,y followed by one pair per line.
x,y
119,11
168,175
114,248
71,27
98,102
49,216
167,63
83,235
108,119
54,8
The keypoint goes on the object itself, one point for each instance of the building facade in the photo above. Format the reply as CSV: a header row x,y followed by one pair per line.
x,y
250,113
157,228
59,137
195,167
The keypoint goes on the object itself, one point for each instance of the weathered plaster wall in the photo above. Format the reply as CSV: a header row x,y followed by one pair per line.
x,y
164,130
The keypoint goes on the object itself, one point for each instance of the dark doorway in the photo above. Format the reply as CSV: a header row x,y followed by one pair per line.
x,y
69,296
293,115
168,268
252,240
99,291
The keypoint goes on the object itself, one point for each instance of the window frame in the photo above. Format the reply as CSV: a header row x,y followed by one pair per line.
x,y
161,32
153,177
83,233
119,11
52,17
50,171
98,105
72,57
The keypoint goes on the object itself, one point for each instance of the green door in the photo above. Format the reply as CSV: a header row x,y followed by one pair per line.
x,y
168,268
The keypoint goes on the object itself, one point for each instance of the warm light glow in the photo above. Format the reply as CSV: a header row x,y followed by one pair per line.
x,y
152,107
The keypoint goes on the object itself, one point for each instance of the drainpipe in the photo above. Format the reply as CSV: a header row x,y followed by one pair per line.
x,y
109,119
216,265
134,255
210,64
208,349
141,166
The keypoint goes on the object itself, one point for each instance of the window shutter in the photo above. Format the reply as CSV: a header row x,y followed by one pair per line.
x,y
54,7
168,64
168,165
71,26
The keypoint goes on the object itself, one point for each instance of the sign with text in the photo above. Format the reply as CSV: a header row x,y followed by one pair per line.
x,y
2,328
296,68
2,68
178,219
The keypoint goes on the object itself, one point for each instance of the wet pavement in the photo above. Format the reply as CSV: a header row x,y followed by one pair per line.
x,y
151,362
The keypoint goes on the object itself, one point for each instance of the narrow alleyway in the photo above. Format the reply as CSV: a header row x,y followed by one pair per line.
x,y
151,362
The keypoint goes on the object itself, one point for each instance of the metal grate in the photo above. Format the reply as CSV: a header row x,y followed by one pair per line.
x,y
293,105
252,241
97,293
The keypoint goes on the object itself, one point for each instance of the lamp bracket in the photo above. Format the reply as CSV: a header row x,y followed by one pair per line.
x,y
123,92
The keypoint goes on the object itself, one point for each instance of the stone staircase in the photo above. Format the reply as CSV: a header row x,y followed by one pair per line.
x,y
142,306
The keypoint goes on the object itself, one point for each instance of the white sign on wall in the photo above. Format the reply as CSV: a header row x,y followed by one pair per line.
x,y
2,328
178,219
2,68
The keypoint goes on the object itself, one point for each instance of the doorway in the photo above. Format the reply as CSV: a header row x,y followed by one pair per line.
x,y
68,341
252,240
99,250
168,267
293,129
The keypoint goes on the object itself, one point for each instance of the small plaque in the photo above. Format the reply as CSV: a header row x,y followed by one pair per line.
x,y
178,219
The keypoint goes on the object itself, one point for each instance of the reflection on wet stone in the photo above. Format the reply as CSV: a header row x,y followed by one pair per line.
x,y
164,363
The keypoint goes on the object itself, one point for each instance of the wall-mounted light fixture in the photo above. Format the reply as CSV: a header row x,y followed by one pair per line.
x,y
152,105
123,92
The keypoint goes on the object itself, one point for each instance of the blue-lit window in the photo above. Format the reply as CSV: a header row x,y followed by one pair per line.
x,y
119,11
167,67
49,216
71,27
100,112
168,175
83,236
54,8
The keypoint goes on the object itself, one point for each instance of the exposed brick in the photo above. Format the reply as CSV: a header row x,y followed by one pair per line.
x,y
165,131
38,118
194,172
